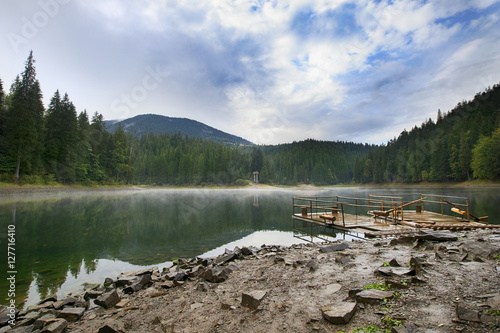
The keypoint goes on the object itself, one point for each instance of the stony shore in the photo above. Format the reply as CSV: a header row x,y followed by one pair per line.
x,y
426,282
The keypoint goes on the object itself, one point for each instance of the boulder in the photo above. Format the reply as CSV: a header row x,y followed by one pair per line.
x,y
108,300
40,322
334,247
92,294
124,281
463,313
252,299
71,314
373,296
67,301
437,236
55,326
226,258
138,284
216,274
50,298
340,313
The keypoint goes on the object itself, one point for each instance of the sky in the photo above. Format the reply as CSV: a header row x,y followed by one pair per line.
x,y
268,71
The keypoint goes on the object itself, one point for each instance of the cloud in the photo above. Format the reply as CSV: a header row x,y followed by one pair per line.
x,y
269,71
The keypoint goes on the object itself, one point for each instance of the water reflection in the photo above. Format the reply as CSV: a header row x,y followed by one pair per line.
x,y
62,242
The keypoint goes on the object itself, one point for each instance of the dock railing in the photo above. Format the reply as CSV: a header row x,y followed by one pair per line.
x,y
459,205
337,206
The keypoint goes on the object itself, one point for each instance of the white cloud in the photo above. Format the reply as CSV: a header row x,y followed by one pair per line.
x,y
275,70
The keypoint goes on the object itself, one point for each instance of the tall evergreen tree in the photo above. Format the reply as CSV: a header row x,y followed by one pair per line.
x,y
24,121
61,138
84,149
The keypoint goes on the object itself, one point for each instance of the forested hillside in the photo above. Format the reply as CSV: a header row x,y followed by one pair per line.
x,y
157,124
312,161
462,144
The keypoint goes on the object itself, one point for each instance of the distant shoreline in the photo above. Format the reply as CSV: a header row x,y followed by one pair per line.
x,y
10,192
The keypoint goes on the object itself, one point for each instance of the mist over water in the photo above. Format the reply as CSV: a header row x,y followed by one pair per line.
x,y
65,240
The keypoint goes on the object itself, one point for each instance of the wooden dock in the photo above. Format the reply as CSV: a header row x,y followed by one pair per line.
x,y
388,215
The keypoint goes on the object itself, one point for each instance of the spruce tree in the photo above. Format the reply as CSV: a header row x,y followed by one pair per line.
x,y
24,121
61,138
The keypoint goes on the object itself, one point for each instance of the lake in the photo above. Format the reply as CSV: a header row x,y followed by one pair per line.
x,y
68,239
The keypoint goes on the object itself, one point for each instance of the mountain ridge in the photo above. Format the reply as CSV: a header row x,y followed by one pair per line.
x,y
158,124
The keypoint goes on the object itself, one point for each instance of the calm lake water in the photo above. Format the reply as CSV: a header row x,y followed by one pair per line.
x,y
66,240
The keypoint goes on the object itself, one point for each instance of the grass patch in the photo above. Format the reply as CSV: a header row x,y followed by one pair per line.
x,y
378,286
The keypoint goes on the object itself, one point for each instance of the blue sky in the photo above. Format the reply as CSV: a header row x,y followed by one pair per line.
x,y
269,71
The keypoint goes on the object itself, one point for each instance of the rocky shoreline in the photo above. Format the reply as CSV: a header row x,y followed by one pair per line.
x,y
425,282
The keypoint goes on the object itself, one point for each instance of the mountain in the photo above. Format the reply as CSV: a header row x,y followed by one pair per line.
x,y
156,124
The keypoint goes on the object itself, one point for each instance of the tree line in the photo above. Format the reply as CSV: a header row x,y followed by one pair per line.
x,y
461,145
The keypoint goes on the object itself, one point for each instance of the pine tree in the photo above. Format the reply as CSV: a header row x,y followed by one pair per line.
x,y
24,121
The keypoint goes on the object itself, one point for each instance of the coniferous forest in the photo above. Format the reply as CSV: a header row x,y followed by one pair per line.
x,y
61,145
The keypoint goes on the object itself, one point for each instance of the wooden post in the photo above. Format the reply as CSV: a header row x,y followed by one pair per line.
x,y
468,213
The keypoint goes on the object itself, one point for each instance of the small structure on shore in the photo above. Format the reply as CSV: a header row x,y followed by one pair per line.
x,y
255,177
388,215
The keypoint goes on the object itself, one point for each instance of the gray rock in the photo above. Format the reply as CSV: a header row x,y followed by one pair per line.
x,y
343,260
394,263
140,272
339,313
332,289
40,322
5,329
50,298
354,292
373,296
139,284
494,303
28,318
21,329
166,285
115,327
437,236
108,282
253,299
395,271
480,250
312,265
124,281
466,314
55,326
334,247
67,301
92,294
202,286
4,315
216,274
71,314
108,300
403,240
226,258
246,251
196,270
